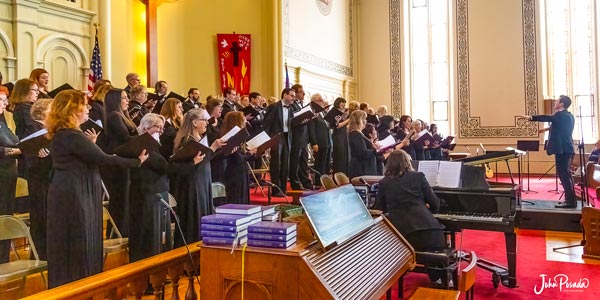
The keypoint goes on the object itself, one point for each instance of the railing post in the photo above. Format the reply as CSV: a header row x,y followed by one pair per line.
x,y
158,281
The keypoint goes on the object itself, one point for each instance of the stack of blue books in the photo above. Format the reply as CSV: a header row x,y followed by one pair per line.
x,y
269,213
229,226
272,234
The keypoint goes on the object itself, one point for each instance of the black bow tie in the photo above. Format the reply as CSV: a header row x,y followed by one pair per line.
x,y
286,106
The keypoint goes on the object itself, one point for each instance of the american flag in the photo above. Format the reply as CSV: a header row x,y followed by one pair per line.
x,y
95,66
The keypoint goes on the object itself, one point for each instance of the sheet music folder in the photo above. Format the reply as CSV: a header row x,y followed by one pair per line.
x,y
332,115
135,145
234,141
250,111
31,144
91,124
302,116
189,150
59,89
264,142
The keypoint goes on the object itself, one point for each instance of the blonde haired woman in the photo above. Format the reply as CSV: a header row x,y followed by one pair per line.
x,y
363,160
74,241
190,181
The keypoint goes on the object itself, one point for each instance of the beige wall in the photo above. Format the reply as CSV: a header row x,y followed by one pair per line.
x,y
187,41
321,49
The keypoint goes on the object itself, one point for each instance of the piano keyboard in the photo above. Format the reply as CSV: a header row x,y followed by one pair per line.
x,y
462,216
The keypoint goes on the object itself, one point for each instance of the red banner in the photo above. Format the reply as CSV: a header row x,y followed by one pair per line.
x,y
234,61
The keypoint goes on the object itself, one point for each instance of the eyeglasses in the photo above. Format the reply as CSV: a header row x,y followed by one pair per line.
x,y
205,120
88,107
159,127
35,90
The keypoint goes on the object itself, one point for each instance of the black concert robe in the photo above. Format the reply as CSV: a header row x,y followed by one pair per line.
x,y
8,180
74,241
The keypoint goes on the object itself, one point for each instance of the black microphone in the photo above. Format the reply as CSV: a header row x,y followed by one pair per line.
x,y
160,198
363,181
278,189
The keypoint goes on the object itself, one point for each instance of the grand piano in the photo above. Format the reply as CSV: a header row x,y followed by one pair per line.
x,y
479,205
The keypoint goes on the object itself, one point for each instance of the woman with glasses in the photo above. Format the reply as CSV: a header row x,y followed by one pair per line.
x,y
214,107
24,94
74,241
37,172
8,171
118,129
172,110
41,78
146,212
190,181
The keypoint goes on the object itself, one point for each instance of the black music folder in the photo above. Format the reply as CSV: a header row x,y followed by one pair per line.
x,y
31,144
331,116
234,141
154,96
302,116
420,141
250,111
59,89
189,150
446,142
135,145
262,142
91,124
372,119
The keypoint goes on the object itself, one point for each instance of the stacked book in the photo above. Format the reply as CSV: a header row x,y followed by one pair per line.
x,y
229,226
269,213
272,234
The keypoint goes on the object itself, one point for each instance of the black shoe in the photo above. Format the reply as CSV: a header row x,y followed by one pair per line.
x,y
278,194
565,205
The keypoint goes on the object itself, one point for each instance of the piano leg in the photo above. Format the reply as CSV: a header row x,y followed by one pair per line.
x,y
511,255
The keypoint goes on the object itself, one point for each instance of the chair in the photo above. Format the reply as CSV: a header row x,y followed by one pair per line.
x,y
218,192
327,182
441,263
341,178
112,245
590,217
13,228
261,172
466,281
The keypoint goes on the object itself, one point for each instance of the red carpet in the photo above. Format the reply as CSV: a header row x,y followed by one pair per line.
x,y
531,259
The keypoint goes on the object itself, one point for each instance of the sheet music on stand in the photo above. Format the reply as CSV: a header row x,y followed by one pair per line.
x,y
440,173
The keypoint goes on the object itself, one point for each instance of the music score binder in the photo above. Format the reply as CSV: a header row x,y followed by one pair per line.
x,y
91,124
250,111
31,144
317,108
333,114
189,151
446,142
421,141
262,142
154,96
135,145
441,173
59,89
234,141
302,116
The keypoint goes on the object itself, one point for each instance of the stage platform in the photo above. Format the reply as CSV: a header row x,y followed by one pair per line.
x,y
542,215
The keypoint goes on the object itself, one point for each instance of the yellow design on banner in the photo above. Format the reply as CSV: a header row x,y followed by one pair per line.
x,y
244,68
230,81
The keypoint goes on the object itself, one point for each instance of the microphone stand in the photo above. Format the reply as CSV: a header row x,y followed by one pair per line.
x,y
159,197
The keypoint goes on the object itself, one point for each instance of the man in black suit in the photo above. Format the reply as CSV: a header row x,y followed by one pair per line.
x,y
319,137
231,102
192,101
560,143
299,179
133,79
278,119
256,122
161,89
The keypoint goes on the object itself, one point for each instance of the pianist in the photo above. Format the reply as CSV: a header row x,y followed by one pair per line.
x,y
409,201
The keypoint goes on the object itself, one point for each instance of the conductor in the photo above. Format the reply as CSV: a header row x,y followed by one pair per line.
x,y
560,143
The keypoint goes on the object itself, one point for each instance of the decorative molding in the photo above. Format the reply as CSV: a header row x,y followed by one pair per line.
x,y
470,126
10,51
45,44
395,57
306,57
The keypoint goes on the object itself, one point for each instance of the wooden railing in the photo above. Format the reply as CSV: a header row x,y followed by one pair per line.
x,y
113,284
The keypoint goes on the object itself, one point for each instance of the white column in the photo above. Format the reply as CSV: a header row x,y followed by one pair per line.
x,y
104,37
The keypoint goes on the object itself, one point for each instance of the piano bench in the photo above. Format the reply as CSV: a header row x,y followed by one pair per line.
x,y
440,264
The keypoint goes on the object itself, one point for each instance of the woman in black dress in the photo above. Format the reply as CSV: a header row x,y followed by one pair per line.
x,y
190,181
147,214
340,139
404,131
363,152
37,173
74,241
118,129
172,110
236,172
23,95
97,102
408,198
371,134
8,171
214,107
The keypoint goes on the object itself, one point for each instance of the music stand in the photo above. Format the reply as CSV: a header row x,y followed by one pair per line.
x,y
528,146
